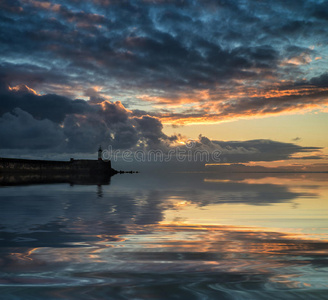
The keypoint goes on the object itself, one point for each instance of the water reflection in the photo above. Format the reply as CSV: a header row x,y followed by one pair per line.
x,y
182,236
16,179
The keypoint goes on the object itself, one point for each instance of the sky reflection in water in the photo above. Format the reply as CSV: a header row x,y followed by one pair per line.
x,y
173,236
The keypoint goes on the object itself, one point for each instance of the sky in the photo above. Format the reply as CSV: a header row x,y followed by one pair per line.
x,y
247,79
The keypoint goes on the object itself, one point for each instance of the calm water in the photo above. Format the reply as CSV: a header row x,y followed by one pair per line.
x,y
174,236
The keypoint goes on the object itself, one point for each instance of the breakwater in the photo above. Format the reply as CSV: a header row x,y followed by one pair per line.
x,y
47,167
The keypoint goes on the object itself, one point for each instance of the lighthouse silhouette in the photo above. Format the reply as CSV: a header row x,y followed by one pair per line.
x,y
99,153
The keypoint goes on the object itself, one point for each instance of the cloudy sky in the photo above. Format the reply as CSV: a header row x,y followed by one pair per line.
x,y
246,78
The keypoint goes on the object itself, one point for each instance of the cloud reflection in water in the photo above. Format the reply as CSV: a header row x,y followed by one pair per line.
x,y
61,241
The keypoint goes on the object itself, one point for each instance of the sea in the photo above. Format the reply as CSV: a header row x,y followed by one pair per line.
x,y
204,236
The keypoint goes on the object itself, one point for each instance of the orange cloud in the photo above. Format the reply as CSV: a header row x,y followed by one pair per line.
x,y
302,59
23,88
185,119
178,99
245,103
43,5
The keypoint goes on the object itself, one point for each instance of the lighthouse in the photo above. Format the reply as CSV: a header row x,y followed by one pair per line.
x,y
99,153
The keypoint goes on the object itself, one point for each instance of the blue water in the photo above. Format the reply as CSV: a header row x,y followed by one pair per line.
x,y
170,236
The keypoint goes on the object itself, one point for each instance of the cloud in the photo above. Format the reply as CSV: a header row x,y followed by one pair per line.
x,y
179,63
52,107
257,150
243,168
151,129
174,55
57,124
283,100
19,130
320,81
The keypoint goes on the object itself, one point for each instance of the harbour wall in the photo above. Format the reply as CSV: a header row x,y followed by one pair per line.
x,y
13,165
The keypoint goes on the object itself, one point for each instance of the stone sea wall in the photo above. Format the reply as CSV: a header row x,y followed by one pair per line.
x,y
12,165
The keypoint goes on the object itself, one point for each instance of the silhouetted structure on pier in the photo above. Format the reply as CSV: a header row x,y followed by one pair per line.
x,y
74,166
76,171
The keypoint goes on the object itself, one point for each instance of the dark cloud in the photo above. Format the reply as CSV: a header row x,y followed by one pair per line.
x,y
19,130
52,107
257,150
219,60
151,129
147,46
61,125
321,81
